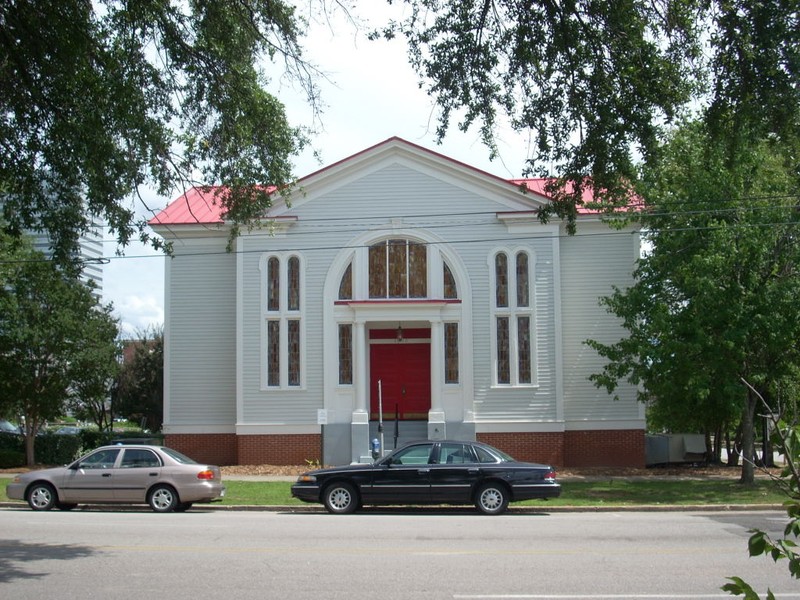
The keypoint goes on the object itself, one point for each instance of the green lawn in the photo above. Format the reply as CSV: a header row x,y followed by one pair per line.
x,y
574,493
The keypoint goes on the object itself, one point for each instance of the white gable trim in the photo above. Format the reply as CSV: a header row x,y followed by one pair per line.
x,y
399,152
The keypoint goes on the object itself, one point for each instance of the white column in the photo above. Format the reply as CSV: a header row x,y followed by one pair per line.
x,y
436,419
360,411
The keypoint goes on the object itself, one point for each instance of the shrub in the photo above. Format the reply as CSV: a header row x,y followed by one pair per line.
x,y
53,449
11,459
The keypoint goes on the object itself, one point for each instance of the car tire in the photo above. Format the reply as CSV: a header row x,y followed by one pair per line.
x,y
42,496
163,499
492,498
340,498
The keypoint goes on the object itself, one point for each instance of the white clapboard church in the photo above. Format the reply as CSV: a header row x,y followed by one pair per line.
x,y
396,286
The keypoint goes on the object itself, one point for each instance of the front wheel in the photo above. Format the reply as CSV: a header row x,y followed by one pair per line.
x,y
492,499
163,499
340,499
42,496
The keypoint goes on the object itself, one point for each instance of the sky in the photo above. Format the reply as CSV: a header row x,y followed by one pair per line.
x,y
371,93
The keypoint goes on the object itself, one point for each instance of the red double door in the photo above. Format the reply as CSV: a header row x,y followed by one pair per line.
x,y
404,371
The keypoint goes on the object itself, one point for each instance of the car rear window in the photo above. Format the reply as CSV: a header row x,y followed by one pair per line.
x,y
178,457
484,456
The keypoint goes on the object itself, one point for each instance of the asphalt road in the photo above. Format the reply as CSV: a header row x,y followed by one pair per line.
x,y
382,554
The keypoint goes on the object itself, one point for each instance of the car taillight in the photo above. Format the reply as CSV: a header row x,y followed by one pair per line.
x,y
550,476
207,474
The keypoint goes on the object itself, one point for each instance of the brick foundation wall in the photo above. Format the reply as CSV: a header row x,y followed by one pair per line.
x,y
622,448
547,448
612,448
279,449
215,448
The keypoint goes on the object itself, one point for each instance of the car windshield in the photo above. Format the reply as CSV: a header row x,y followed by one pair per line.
x,y
177,456
8,427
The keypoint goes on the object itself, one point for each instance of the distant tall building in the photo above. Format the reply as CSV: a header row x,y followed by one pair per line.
x,y
90,252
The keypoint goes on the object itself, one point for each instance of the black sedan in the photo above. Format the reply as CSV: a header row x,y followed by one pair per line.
x,y
431,472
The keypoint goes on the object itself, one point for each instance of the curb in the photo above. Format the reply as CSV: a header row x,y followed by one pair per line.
x,y
539,509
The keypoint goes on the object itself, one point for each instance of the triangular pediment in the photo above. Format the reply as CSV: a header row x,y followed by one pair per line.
x,y
506,195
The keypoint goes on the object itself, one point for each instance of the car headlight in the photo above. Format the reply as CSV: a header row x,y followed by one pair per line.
x,y
306,478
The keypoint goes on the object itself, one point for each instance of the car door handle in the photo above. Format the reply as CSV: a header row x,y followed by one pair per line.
x,y
106,475
473,471
423,471
153,474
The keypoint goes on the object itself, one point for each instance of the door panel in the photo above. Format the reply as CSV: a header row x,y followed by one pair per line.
x,y
138,470
455,475
92,480
404,370
406,480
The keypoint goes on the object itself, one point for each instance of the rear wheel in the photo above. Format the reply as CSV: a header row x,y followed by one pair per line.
x,y
42,496
162,499
340,498
492,498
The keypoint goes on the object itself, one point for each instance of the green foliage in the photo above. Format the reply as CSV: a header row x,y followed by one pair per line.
x,y
11,459
594,81
54,337
54,449
786,438
98,364
100,98
92,438
139,392
714,300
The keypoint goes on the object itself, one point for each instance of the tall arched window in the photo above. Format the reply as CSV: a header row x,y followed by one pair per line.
x,y
512,319
283,350
346,284
398,268
449,283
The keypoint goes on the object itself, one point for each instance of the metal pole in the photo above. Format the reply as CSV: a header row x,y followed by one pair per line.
x,y
380,414
396,424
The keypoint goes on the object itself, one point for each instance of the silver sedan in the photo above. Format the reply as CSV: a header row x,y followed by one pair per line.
x,y
130,474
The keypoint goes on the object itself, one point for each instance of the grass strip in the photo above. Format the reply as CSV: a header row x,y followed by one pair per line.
x,y
613,492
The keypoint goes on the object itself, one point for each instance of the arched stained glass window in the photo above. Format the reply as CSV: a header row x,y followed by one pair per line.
x,y
283,347
273,284
450,289
293,276
522,279
513,319
398,268
346,284
501,279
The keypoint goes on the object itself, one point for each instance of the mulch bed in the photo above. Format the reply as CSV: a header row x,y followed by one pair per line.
x,y
593,472
665,471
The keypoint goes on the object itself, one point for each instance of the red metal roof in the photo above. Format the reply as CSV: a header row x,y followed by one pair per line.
x,y
196,206
202,206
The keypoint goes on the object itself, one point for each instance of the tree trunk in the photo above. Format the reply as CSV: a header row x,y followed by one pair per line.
x,y
734,446
30,438
748,439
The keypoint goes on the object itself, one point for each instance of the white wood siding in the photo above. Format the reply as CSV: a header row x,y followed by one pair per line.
x,y
397,196
201,334
591,262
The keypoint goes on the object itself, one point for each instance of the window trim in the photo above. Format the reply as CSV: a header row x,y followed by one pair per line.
x,y
283,315
513,313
